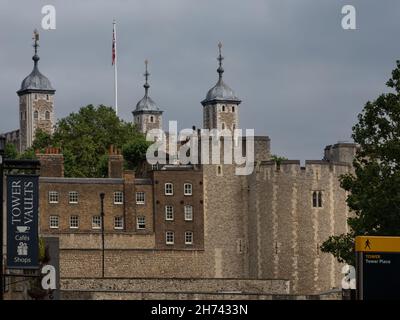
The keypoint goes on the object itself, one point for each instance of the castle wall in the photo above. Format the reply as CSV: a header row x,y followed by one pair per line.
x,y
225,205
286,231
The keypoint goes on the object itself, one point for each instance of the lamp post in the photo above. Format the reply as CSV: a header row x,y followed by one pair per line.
x,y
102,232
2,149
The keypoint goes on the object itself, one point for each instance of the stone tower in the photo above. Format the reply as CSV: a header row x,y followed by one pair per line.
x,y
221,104
147,115
36,103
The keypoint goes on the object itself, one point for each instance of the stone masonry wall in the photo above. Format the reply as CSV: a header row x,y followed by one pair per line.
x,y
286,231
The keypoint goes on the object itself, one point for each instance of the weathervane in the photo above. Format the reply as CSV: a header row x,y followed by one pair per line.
x,y
35,38
146,74
220,58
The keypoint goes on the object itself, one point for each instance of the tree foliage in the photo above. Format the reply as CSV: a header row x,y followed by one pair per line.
x,y
10,151
278,159
374,187
134,152
84,138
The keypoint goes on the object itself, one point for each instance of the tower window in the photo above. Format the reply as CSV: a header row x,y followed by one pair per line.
x,y
223,126
47,97
317,199
223,108
36,115
233,109
151,119
47,115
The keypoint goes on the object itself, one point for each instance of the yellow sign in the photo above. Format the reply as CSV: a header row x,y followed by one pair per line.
x,y
377,244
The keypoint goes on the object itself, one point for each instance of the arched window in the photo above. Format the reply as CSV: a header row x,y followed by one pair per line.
x,y
47,97
219,171
47,115
233,109
151,119
223,108
36,115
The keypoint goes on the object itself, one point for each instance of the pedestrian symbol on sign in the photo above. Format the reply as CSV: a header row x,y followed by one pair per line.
x,y
367,244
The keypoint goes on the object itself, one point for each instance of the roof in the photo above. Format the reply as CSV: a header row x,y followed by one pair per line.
x,y
36,81
221,92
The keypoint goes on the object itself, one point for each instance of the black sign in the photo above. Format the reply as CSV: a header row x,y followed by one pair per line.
x,y
380,275
22,222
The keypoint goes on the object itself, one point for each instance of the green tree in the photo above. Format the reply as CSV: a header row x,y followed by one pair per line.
x,y
10,151
374,187
278,159
42,140
84,138
134,152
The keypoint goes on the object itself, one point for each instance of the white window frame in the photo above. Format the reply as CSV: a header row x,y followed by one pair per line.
x,y
188,214
56,219
188,233
96,225
138,195
168,235
188,192
167,212
141,223
118,197
55,195
77,222
118,222
169,185
75,195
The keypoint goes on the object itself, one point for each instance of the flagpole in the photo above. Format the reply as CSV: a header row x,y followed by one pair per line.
x,y
115,68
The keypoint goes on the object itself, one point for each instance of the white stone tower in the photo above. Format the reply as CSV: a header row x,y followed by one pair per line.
x,y
147,115
221,104
36,103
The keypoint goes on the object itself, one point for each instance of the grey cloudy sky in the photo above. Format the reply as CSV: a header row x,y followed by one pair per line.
x,y
302,78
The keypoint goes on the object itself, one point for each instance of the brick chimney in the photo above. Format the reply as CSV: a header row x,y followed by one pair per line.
x,y
115,163
51,163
